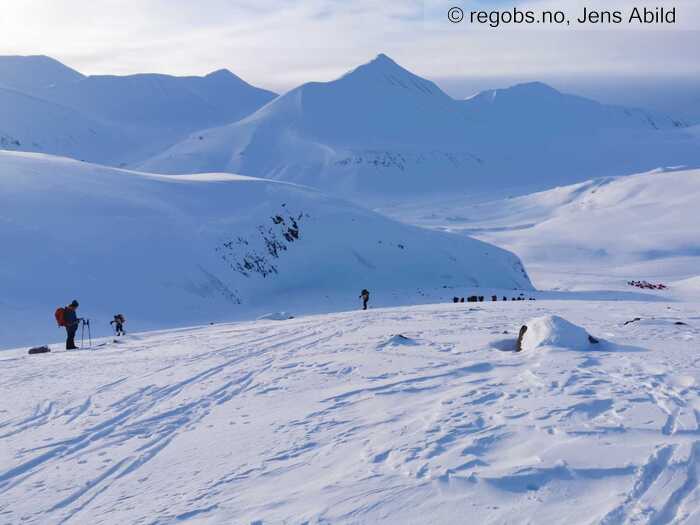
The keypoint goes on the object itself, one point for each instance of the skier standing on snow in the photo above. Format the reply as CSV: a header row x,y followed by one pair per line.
x,y
71,321
365,299
118,323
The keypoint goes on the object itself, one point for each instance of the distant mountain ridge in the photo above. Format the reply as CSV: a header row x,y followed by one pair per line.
x,y
30,73
377,132
570,112
148,112
382,130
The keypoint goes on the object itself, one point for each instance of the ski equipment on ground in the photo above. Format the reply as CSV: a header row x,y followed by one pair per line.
x,y
85,322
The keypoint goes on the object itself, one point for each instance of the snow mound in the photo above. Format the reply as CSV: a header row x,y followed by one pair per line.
x,y
276,316
398,340
552,330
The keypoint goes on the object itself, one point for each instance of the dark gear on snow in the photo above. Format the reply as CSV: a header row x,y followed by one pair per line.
x,y
364,295
70,339
118,323
86,322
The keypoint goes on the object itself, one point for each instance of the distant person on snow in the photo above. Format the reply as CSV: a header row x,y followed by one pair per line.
x,y
69,318
365,299
118,323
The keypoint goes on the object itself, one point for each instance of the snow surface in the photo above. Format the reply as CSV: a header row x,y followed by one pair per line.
x,y
319,420
380,133
176,251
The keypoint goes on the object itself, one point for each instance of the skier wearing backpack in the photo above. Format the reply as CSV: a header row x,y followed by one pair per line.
x,y
364,295
68,318
118,323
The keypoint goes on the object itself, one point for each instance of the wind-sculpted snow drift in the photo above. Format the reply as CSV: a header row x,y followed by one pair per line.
x,y
170,250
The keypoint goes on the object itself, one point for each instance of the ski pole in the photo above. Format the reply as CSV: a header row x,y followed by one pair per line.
x,y
89,333
82,334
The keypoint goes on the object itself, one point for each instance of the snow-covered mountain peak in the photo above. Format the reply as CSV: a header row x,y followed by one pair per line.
x,y
526,93
532,89
221,73
381,63
384,72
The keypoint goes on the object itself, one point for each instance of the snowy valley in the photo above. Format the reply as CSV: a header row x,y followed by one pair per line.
x,y
594,235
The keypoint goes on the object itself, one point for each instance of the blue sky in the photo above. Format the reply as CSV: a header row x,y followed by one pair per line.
x,y
279,44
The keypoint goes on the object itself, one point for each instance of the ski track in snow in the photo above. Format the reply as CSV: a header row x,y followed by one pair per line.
x,y
332,419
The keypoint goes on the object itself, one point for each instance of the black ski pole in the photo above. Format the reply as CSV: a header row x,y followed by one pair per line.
x,y
82,333
89,333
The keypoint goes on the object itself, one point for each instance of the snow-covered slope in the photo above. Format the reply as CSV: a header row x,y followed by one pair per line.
x,y
169,251
163,101
538,109
159,110
337,419
607,230
32,73
381,130
153,111
28,123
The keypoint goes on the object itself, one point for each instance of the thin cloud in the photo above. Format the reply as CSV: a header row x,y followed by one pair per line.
x,y
281,43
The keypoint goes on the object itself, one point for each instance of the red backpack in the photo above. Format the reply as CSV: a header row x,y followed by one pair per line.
x,y
59,316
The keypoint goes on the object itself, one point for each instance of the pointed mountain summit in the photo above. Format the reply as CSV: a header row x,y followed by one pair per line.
x,y
383,69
